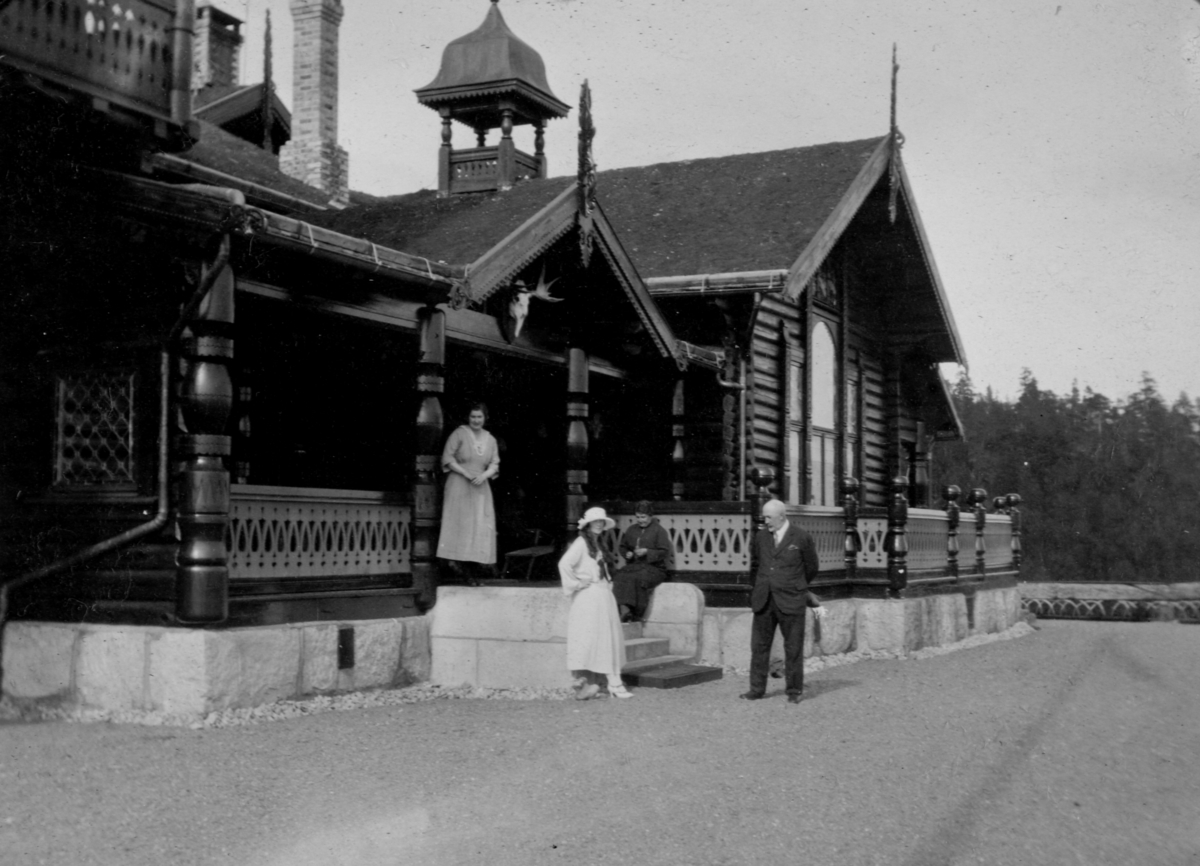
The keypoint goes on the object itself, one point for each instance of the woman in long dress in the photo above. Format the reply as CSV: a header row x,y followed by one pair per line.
x,y
595,639
470,460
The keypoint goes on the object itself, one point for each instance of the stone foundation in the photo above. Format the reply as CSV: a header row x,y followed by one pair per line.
x,y
193,672
490,637
898,625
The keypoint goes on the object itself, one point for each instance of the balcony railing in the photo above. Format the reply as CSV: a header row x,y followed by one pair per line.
x,y
130,55
292,532
477,169
712,543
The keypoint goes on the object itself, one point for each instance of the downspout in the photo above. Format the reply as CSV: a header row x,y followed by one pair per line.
x,y
163,512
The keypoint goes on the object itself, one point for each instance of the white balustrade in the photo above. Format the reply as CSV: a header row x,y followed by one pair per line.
x,y
997,537
926,533
305,532
703,542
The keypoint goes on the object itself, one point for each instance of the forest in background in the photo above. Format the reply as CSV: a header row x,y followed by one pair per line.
x,y
1110,489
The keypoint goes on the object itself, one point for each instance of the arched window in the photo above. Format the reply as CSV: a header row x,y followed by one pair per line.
x,y
823,441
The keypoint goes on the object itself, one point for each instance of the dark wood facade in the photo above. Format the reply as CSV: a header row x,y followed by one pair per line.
x,y
224,404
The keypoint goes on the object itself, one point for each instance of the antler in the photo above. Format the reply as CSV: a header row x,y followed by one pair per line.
x,y
542,292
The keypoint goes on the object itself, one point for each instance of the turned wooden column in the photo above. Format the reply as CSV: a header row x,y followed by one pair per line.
x,y
427,480
853,541
539,148
977,502
577,437
897,540
678,461
444,177
762,477
1014,500
506,153
953,512
206,405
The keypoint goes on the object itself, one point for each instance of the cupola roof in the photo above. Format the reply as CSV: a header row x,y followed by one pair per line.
x,y
487,66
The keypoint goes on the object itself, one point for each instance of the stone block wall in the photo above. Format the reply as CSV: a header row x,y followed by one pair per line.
x,y
192,672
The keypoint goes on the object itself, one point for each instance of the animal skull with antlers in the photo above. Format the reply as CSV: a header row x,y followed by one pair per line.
x,y
518,305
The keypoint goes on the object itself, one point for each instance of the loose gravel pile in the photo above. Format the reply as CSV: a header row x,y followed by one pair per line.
x,y
11,711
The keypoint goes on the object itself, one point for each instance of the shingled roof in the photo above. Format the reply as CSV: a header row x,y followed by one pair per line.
x,y
733,213
226,153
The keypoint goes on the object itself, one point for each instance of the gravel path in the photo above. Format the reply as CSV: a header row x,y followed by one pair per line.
x,y
1077,743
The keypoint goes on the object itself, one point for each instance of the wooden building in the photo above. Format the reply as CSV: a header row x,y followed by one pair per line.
x,y
226,390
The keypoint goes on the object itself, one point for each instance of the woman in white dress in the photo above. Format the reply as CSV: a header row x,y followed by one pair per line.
x,y
470,460
595,639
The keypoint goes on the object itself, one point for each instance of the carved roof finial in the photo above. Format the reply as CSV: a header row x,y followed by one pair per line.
x,y
897,140
586,175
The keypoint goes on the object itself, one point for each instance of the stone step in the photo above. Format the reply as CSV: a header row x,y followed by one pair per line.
x,y
632,667
670,675
632,630
639,648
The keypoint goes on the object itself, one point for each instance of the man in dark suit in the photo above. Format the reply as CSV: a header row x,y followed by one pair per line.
x,y
787,563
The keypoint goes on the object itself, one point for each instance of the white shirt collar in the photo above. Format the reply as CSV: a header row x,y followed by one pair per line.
x,y
779,533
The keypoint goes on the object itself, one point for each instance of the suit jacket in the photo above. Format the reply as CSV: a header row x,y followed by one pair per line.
x,y
784,571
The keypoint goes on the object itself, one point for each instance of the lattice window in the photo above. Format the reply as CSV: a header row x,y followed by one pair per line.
x,y
94,441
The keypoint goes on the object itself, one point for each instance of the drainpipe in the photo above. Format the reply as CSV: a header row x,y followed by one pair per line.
x,y
160,518
740,387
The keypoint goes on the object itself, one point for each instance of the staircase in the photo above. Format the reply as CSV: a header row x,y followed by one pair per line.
x,y
649,663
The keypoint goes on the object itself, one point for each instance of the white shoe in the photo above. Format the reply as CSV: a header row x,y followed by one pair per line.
x,y
619,692
587,692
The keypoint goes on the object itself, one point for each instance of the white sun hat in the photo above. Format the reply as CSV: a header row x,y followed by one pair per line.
x,y
596,513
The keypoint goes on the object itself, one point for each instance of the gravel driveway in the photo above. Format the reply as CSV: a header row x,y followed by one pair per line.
x,y
1079,743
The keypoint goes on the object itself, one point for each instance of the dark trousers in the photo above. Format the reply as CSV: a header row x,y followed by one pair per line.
x,y
762,635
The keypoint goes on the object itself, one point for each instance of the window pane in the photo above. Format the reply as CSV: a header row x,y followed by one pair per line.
x,y
824,378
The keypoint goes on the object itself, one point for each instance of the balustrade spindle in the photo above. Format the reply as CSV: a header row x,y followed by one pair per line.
x,y
1014,500
953,513
977,501
897,542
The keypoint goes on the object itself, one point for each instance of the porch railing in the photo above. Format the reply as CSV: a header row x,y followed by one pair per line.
x,y
712,540
134,54
311,532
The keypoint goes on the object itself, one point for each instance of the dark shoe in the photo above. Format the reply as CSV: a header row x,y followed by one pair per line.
x,y
794,699
751,696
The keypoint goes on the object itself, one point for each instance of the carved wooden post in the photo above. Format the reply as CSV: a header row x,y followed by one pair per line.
x,y
678,464
506,156
1014,499
431,360
977,500
897,541
206,404
761,477
853,542
444,177
953,512
577,437
539,147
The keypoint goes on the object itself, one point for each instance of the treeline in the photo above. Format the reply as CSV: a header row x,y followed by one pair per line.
x,y
1110,489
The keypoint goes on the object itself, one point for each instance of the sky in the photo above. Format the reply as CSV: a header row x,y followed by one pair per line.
x,y
1053,147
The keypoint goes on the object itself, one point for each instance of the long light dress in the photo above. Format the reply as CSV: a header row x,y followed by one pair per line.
x,y
595,640
468,531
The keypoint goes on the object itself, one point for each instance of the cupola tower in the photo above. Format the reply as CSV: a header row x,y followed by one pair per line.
x,y
490,79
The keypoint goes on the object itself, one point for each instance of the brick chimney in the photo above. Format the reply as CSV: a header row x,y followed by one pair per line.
x,y
313,155
215,48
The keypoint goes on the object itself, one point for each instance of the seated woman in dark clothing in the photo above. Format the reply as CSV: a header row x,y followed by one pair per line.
x,y
649,555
